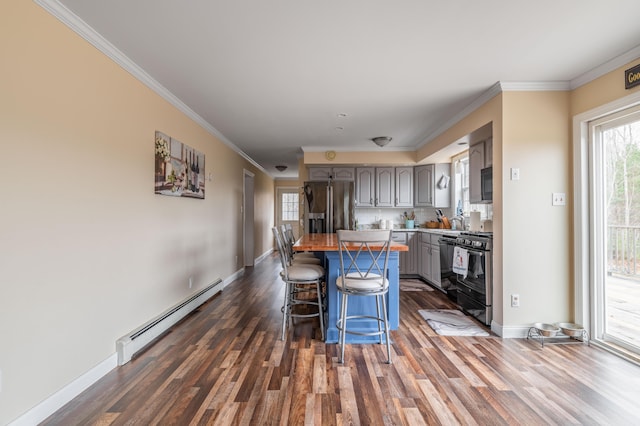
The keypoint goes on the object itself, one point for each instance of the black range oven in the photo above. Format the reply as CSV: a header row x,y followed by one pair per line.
x,y
475,290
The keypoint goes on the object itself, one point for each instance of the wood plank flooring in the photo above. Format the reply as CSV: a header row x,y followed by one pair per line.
x,y
225,364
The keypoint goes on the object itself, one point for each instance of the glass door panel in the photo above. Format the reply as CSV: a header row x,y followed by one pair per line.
x,y
616,292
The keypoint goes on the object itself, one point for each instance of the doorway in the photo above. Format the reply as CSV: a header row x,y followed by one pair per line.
x,y
615,240
288,208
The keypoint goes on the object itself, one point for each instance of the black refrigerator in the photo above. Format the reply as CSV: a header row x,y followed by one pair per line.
x,y
329,206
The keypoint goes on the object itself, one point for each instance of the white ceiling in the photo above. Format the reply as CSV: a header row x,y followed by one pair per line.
x,y
272,77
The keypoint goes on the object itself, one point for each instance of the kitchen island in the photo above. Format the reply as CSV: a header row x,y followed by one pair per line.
x,y
326,247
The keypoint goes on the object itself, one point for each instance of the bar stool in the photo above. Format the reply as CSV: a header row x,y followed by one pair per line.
x,y
300,278
286,233
364,259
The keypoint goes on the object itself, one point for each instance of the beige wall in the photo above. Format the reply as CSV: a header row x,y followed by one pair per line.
x,y
362,157
531,240
536,255
601,91
88,251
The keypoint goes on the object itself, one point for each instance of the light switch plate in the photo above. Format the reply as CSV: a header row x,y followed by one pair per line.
x,y
515,173
558,199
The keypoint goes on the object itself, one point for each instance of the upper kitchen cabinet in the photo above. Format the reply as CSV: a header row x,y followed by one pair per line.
x,y
427,191
365,186
476,164
385,187
488,153
332,173
404,187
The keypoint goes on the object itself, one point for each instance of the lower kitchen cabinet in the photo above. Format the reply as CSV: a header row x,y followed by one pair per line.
x,y
435,261
412,254
430,258
408,259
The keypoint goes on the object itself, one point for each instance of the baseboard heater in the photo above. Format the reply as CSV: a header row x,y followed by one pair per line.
x,y
128,345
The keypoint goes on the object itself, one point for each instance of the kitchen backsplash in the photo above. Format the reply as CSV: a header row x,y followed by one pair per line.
x,y
369,218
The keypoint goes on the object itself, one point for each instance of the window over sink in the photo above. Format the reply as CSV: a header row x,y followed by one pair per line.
x,y
461,190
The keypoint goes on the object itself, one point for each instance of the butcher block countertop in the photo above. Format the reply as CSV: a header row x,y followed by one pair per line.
x,y
326,246
329,242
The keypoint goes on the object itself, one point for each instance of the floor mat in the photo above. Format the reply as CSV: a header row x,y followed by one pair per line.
x,y
449,322
408,284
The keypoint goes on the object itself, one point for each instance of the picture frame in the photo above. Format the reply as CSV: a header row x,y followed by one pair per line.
x,y
179,168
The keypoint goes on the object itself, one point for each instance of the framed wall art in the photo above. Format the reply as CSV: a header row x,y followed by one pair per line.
x,y
179,169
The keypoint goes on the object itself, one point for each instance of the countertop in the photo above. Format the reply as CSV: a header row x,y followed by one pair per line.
x,y
329,242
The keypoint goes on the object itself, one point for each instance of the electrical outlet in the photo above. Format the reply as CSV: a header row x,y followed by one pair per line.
x,y
558,199
515,300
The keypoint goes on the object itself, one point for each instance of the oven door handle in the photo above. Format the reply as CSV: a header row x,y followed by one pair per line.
x,y
477,253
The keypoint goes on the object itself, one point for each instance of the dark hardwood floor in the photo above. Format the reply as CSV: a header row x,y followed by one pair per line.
x,y
225,364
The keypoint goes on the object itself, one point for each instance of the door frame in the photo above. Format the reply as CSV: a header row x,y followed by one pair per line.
x,y
248,191
585,266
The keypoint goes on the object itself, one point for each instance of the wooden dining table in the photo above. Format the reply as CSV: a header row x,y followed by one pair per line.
x,y
325,246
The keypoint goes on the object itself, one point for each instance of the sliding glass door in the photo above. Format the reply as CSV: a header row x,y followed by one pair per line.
x,y
615,292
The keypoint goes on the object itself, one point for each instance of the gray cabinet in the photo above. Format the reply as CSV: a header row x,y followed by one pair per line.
x,y
488,152
408,259
404,187
365,186
331,173
476,164
425,256
344,173
429,261
435,261
426,190
319,173
385,187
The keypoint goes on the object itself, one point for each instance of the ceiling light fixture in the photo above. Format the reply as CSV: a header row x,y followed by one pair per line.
x,y
281,168
381,140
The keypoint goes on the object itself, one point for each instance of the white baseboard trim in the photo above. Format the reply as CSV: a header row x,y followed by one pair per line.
x,y
264,255
510,331
231,278
240,272
56,401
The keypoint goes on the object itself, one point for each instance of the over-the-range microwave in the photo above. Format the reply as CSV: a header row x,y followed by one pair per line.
x,y
486,184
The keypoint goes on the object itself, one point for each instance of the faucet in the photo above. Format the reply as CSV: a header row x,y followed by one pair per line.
x,y
460,218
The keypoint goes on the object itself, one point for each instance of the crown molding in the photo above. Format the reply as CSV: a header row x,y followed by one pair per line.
x,y
373,148
84,30
615,63
534,86
500,87
477,103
